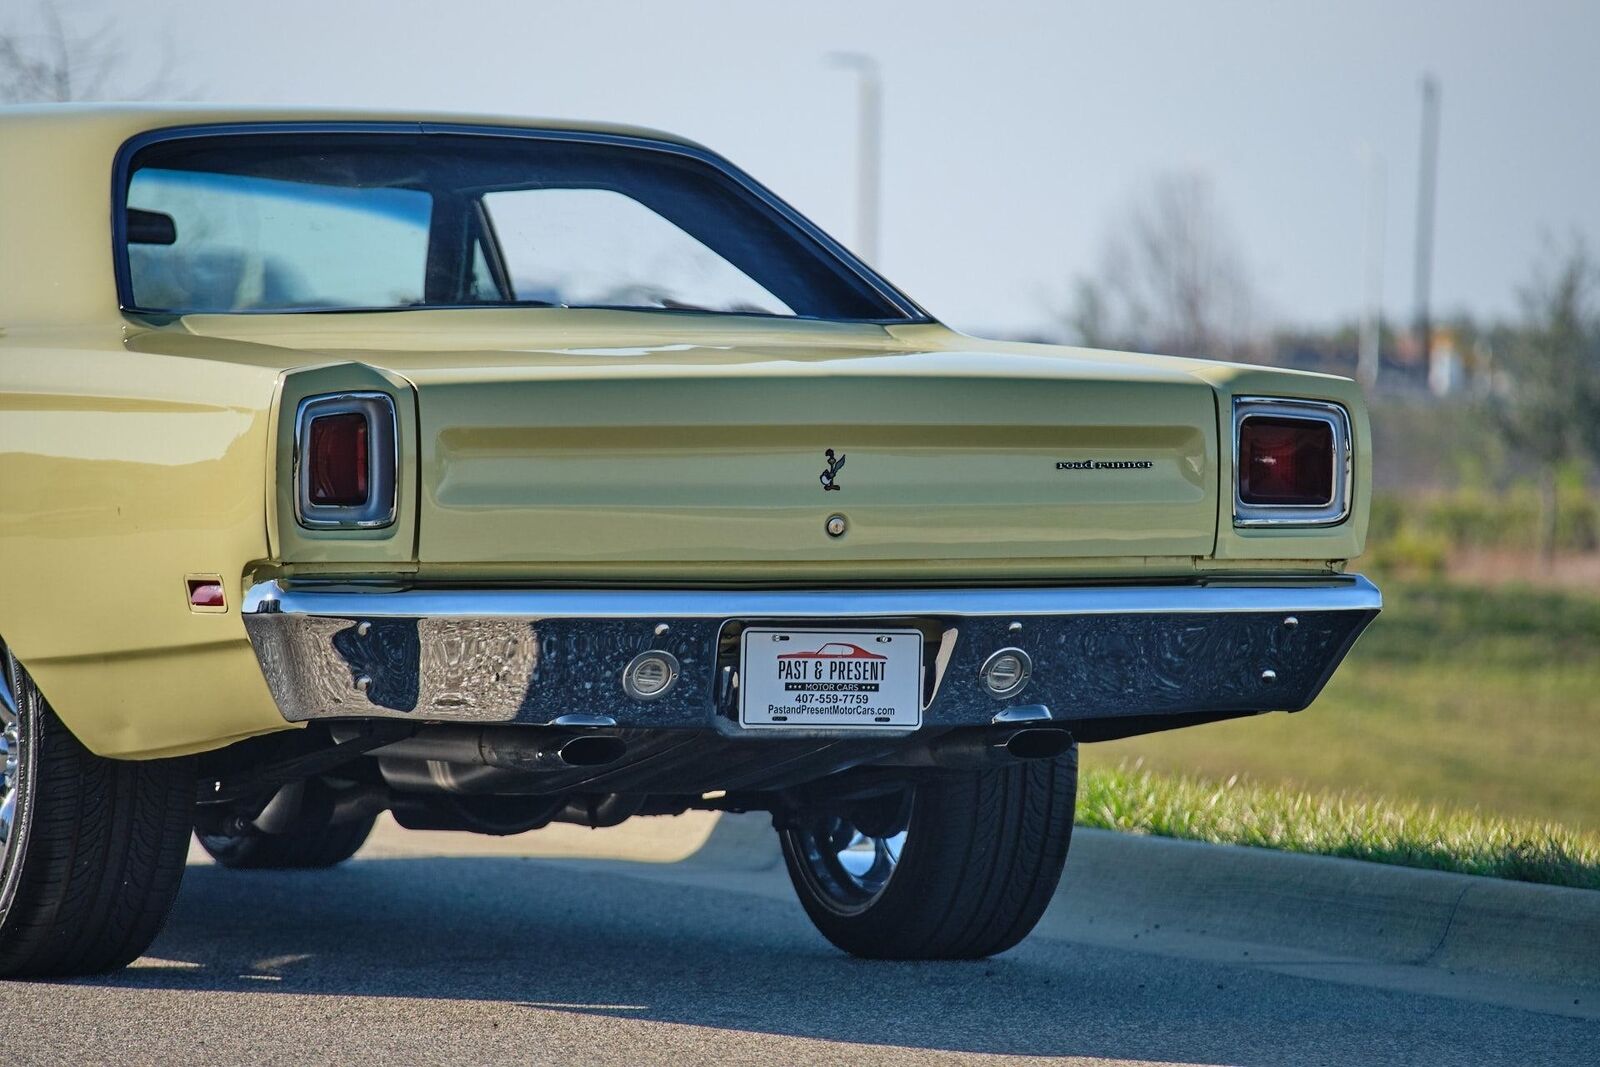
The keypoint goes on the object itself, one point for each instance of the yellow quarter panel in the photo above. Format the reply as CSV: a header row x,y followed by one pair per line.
x,y
120,473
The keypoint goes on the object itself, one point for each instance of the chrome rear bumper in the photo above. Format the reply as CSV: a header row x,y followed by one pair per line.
x,y
538,655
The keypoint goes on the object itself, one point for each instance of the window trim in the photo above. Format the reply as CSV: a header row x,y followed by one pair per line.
x,y
911,312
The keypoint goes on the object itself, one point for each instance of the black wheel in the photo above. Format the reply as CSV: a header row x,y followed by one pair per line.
x,y
958,867
91,849
319,846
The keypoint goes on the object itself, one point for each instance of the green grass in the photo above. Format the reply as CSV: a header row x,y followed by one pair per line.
x,y
1131,798
1454,698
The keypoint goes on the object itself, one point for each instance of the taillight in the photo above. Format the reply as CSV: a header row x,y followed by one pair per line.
x,y
345,461
1285,461
337,460
1292,462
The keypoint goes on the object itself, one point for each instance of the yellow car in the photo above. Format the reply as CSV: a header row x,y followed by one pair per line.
x,y
493,473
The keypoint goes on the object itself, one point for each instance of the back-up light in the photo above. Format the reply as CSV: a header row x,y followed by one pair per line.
x,y
1292,462
345,461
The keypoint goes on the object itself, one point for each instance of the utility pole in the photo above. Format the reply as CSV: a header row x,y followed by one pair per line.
x,y
1369,340
869,147
1427,179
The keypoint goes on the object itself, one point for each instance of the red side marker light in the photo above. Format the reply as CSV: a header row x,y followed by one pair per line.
x,y
206,594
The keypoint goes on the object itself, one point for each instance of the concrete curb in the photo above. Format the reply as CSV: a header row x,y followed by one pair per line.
x,y
740,843
1344,908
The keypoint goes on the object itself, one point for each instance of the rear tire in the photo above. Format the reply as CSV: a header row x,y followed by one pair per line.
x,y
976,864
94,848
323,846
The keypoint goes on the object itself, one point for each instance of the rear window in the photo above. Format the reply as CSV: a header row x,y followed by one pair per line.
x,y
599,247
241,243
310,221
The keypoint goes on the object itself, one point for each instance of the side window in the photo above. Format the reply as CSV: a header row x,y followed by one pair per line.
x,y
596,247
240,243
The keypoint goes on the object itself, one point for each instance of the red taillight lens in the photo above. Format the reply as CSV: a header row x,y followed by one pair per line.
x,y
345,461
338,460
1285,461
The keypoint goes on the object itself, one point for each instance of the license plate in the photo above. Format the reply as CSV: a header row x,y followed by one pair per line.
x,y
830,678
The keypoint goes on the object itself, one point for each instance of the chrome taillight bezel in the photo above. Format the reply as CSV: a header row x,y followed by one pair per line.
x,y
1336,510
383,460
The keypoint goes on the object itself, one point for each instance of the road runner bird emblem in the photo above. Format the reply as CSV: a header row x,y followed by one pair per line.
x,y
832,473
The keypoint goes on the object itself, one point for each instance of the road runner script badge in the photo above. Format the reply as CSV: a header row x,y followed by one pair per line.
x,y
1103,464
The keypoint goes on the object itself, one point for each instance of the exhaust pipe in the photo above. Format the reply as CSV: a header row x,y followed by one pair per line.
x,y
1036,742
585,750
985,747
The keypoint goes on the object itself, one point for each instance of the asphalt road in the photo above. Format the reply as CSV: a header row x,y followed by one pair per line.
x,y
408,955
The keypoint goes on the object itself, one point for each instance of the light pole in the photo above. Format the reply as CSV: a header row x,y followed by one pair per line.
x,y
1427,179
869,147
1368,354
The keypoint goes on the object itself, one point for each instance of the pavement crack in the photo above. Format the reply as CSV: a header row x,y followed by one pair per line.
x,y
1449,924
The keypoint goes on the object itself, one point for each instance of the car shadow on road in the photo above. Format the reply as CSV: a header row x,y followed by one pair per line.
x,y
604,941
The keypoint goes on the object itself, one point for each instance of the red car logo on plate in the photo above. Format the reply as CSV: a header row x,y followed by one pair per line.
x,y
835,650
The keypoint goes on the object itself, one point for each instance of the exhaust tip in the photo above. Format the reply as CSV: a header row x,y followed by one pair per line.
x,y
591,751
1038,743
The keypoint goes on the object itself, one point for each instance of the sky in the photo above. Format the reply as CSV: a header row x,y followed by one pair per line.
x,y
1016,133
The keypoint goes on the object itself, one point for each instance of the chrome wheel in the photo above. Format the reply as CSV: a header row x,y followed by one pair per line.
x,y
848,866
11,753
957,866
870,861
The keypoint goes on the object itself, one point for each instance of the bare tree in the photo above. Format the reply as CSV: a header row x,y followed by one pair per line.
x,y
1550,409
50,58
1171,278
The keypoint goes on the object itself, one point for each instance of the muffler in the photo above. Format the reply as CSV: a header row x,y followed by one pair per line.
x,y
512,748
497,816
467,760
502,816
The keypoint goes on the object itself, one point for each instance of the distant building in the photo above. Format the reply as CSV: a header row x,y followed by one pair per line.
x,y
1447,373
